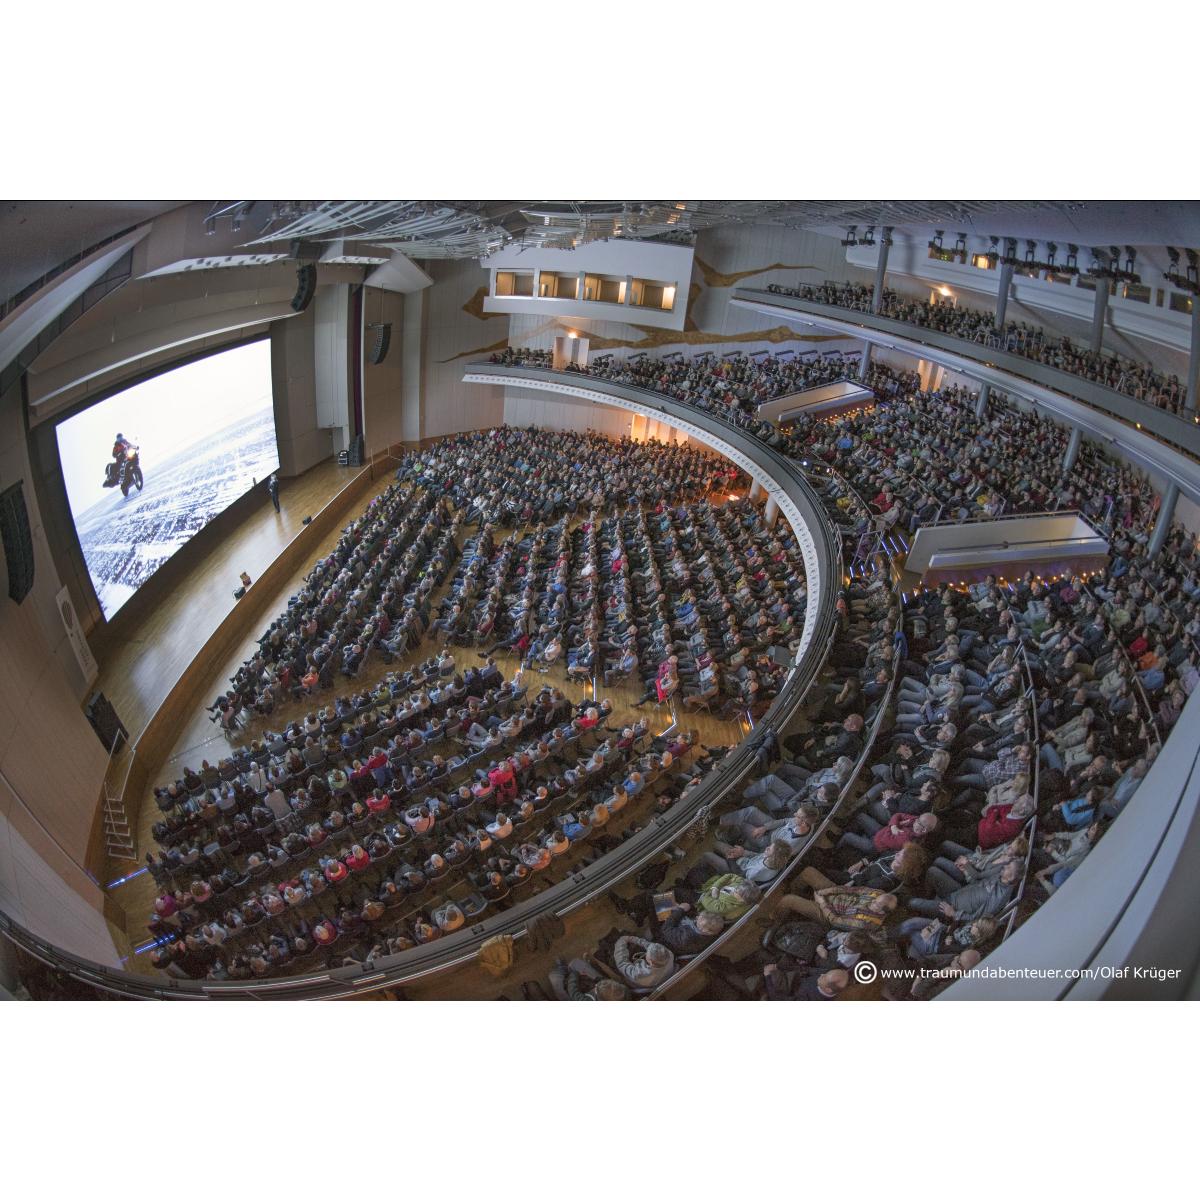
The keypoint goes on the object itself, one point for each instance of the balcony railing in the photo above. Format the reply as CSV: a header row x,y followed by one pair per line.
x,y
1180,432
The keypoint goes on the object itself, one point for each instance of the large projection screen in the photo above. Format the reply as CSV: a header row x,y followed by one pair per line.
x,y
195,438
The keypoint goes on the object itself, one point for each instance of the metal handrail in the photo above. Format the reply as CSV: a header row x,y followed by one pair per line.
x,y
1137,682
1035,745
1046,512
1053,542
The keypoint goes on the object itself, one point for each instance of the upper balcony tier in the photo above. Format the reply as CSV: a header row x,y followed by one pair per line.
x,y
1098,410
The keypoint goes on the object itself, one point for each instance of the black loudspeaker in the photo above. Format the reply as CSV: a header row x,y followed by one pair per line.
x,y
306,284
105,722
383,339
18,541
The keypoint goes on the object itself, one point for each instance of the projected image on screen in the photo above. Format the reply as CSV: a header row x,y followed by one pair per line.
x,y
148,468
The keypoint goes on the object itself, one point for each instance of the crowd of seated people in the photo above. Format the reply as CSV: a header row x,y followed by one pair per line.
x,y
522,356
752,844
986,776
1150,608
928,869
516,477
711,589
979,781
736,380
369,595
690,597
1139,380
413,846
927,456
959,765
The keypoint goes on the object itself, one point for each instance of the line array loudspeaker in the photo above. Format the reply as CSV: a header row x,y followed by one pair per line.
x,y
383,339
104,720
18,541
306,284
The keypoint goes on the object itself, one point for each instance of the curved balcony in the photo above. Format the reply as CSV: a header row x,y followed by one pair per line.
x,y
784,482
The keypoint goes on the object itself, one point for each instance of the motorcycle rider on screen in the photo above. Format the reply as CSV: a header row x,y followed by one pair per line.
x,y
125,469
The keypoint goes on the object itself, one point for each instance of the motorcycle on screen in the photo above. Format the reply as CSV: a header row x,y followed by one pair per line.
x,y
125,471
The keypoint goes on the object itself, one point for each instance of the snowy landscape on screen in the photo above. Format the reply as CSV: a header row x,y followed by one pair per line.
x,y
206,435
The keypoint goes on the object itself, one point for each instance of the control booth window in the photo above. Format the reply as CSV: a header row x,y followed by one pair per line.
x,y
649,293
558,287
514,283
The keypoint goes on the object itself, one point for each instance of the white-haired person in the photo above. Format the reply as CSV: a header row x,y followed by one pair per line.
x,y
641,963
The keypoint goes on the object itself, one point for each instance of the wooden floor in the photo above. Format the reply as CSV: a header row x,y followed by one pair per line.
x,y
198,738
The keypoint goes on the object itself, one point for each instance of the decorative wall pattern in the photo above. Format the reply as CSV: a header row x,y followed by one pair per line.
x,y
713,278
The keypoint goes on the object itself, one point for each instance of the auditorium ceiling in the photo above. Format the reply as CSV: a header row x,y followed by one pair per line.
x,y
37,236
472,229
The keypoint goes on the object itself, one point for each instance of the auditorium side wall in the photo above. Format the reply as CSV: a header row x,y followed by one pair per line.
x,y
51,762
455,331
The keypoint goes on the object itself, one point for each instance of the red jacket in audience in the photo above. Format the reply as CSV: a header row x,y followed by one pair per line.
x,y
997,827
896,833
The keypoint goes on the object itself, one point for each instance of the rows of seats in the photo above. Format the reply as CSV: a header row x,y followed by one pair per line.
x,y
516,477
1139,380
327,750
363,598
1064,719
925,457
715,590
268,807
420,847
